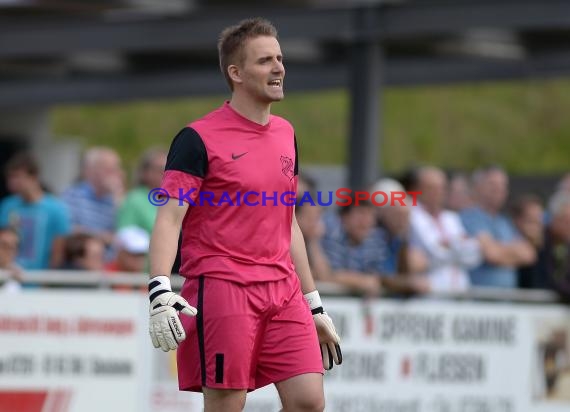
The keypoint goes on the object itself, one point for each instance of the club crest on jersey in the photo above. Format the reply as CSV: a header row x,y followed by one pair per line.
x,y
287,167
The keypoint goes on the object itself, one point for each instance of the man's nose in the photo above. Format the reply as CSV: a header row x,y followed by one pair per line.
x,y
278,67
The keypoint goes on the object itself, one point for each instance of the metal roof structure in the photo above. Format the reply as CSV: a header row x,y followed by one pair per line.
x,y
69,51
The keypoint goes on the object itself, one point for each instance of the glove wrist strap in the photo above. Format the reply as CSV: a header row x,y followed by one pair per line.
x,y
318,310
314,301
158,285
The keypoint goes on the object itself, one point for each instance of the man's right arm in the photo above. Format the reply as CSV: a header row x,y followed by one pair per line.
x,y
369,284
165,328
164,238
515,253
185,169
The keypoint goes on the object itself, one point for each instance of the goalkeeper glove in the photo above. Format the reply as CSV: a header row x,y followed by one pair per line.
x,y
165,328
328,338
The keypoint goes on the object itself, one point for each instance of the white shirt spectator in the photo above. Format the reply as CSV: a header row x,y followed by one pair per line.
x,y
449,250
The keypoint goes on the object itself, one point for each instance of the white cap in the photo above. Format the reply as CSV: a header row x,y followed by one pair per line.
x,y
132,239
387,185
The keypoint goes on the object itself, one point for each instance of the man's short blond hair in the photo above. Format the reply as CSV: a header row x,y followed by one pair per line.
x,y
232,41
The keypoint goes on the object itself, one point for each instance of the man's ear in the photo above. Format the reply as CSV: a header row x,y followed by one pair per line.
x,y
234,73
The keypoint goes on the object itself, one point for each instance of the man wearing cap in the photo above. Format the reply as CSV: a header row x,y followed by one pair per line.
x,y
131,244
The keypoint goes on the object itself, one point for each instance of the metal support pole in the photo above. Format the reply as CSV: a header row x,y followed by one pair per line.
x,y
365,108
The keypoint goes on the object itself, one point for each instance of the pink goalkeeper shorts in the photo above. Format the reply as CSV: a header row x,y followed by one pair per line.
x,y
246,336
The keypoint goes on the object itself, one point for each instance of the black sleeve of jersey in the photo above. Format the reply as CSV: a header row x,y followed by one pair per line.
x,y
296,169
188,153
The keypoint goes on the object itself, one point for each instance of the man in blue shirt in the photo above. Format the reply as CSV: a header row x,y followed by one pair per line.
x,y
355,248
93,201
502,247
41,220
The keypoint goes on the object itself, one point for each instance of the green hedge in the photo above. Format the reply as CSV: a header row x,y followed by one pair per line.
x,y
524,126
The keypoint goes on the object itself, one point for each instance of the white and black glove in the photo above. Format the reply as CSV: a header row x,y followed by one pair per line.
x,y
165,328
328,338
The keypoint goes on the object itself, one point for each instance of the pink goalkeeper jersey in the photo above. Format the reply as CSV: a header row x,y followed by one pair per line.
x,y
240,180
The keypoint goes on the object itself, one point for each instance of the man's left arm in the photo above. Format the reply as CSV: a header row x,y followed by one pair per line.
x,y
300,258
328,338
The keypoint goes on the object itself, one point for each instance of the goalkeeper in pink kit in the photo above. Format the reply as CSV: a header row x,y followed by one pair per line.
x,y
248,314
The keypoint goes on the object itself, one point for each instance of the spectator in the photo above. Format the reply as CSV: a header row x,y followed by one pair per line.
x,y
552,270
403,261
8,250
93,201
502,246
441,235
355,248
137,210
132,245
41,220
459,197
527,214
84,252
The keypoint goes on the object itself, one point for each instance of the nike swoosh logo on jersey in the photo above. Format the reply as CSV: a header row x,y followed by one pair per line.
x,y
236,157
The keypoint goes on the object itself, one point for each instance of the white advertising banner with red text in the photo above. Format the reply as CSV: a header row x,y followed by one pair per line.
x,y
73,351
81,352
429,356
